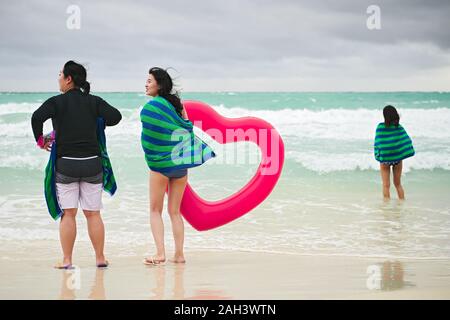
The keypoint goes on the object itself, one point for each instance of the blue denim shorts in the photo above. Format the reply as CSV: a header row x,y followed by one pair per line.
x,y
180,173
391,163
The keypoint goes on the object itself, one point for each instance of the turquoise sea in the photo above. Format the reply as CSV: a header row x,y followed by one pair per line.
x,y
328,199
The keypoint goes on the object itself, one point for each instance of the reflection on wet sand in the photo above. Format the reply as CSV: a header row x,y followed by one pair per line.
x,y
98,288
67,288
387,276
392,275
71,282
178,291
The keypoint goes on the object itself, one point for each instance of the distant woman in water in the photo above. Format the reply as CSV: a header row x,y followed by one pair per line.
x,y
392,146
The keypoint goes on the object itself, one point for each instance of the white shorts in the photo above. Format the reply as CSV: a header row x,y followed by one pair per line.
x,y
89,195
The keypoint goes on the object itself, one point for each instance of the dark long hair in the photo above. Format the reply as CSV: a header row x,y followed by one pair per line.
x,y
165,85
391,116
78,74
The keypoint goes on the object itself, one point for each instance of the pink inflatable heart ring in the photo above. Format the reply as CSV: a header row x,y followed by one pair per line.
x,y
205,215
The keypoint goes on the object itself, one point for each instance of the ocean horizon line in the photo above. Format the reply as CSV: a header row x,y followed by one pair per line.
x,y
236,91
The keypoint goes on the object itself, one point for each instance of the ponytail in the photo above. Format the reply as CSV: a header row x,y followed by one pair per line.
x,y
86,87
78,73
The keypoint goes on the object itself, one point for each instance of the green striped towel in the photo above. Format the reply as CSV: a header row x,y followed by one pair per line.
x,y
109,181
392,144
50,186
168,140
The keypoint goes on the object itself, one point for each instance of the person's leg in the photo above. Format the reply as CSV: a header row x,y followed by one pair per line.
x,y
397,172
385,171
67,234
68,194
176,190
158,185
96,230
91,203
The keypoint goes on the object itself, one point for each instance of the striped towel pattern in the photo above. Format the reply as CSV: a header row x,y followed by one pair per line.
x,y
392,144
168,140
50,186
109,181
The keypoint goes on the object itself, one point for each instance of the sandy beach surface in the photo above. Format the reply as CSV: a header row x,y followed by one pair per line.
x,y
210,274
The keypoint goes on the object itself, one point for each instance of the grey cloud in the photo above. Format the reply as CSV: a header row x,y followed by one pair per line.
x,y
205,39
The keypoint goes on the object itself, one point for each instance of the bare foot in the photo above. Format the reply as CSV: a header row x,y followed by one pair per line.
x,y
104,264
154,260
101,262
66,264
178,260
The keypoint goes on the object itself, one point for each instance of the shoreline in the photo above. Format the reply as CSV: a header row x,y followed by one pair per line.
x,y
224,275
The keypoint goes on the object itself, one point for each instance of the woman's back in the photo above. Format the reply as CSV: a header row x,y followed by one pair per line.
x,y
74,115
392,143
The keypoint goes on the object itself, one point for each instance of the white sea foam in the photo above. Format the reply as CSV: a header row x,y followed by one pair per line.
x,y
25,160
338,124
347,135
25,107
324,162
346,124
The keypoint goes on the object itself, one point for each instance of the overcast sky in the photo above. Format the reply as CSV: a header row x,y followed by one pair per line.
x,y
232,45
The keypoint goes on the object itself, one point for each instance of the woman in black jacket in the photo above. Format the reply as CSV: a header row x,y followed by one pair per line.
x,y
79,174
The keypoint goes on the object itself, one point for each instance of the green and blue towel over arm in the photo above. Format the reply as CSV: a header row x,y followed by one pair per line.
x,y
392,144
168,140
109,181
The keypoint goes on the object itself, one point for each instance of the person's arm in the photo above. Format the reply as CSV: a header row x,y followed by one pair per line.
x,y
46,111
111,115
184,113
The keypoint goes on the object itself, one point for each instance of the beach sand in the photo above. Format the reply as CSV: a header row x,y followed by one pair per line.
x,y
225,275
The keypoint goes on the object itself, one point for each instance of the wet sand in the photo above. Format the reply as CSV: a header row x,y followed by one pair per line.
x,y
229,275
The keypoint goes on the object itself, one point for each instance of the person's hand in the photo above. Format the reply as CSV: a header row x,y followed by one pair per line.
x,y
48,146
43,144
184,114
